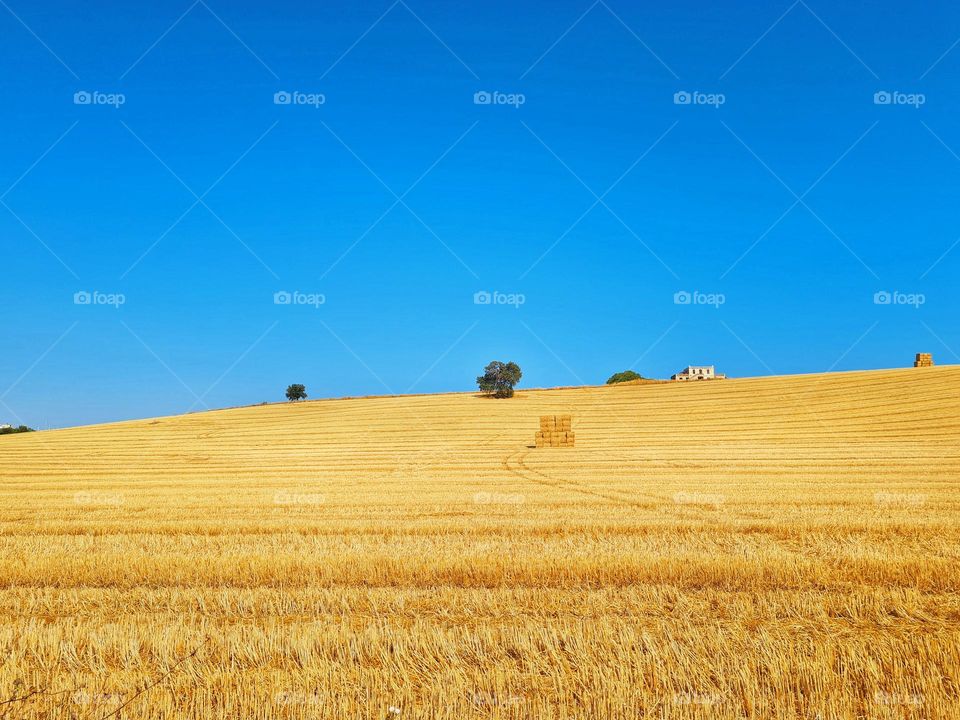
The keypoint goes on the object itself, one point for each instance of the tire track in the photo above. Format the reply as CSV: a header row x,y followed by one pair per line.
x,y
523,471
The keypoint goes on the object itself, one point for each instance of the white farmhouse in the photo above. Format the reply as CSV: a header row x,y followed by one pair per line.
x,y
698,372
4,426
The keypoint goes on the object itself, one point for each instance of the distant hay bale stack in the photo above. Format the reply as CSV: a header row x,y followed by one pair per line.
x,y
924,360
555,431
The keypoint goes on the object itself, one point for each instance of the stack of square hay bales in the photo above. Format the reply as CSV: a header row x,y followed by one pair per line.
x,y
555,431
924,360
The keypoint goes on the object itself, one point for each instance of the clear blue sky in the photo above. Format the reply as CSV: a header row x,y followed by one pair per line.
x,y
196,199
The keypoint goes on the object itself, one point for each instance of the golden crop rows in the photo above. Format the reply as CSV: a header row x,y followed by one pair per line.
x,y
758,548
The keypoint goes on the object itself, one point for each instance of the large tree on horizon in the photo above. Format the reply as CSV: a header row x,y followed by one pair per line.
x,y
499,379
296,392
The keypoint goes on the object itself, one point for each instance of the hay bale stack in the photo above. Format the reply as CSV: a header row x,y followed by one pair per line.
x,y
555,431
924,360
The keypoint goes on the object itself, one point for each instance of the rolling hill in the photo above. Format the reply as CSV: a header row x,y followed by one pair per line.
x,y
770,547
896,424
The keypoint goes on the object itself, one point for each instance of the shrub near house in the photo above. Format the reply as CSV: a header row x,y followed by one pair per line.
x,y
625,376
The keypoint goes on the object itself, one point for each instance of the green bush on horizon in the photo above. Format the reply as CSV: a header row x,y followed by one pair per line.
x,y
625,376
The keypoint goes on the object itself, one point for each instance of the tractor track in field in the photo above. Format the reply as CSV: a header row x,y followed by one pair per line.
x,y
515,465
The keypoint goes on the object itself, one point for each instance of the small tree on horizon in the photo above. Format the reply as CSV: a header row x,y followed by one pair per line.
x,y
19,429
499,379
296,392
625,376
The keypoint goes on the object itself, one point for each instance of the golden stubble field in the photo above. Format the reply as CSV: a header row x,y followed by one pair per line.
x,y
757,548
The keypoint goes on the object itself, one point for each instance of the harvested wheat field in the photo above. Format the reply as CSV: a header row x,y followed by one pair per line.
x,y
759,548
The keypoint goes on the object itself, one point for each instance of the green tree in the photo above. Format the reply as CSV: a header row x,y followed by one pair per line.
x,y
499,379
625,376
12,430
296,392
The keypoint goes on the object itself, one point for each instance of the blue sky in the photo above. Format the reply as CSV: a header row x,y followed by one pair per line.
x,y
781,199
